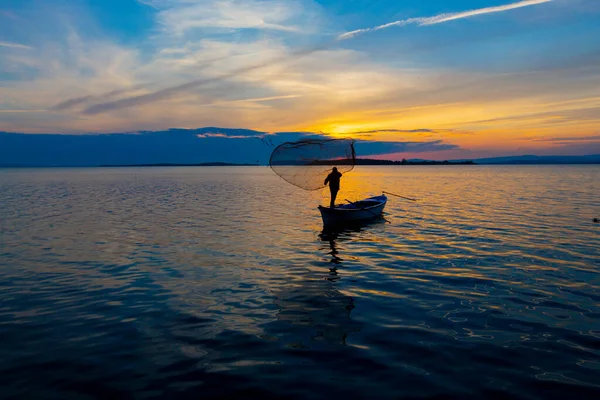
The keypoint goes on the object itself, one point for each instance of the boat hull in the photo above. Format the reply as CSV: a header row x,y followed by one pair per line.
x,y
358,212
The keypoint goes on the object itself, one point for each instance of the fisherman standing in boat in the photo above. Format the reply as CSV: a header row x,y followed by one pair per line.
x,y
334,184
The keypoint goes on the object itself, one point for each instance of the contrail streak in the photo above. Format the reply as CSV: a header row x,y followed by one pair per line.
x,y
15,45
438,19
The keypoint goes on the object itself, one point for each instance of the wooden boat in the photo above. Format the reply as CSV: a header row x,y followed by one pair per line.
x,y
357,211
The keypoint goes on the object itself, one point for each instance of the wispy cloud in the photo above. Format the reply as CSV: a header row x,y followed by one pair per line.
x,y
373,148
78,101
160,95
256,99
180,16
64,105
21,111
413,131
592,138
398,131
8,14
265,60
174,91
14,45
438,19
223,136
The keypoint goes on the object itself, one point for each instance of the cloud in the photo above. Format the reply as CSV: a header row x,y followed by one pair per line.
x,y
375,148
185,146
397,130
78,101
225,133
253,100
15,45
63,105
310,71
162,94
438,19
219,8
22,111
415,134
9,14
188,60
174,91
221,135
420,130
91,73
567,139
180,16
488,10
576,111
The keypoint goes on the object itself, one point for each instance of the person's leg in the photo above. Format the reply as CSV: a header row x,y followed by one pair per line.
x,y
333,196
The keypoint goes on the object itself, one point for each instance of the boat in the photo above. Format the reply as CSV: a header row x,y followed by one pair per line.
x,y
358,211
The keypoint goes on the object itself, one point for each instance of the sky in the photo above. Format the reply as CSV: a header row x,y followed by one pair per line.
x,y
432,79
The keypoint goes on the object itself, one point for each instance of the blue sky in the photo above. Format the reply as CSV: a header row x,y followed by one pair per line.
x,y
483,77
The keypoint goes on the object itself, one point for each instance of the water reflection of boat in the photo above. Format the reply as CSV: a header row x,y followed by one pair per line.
x,y
346,232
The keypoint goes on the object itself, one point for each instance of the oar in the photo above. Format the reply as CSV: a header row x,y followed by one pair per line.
x,y
363,209
402,197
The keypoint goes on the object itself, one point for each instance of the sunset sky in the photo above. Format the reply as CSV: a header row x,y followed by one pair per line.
x,y
469,78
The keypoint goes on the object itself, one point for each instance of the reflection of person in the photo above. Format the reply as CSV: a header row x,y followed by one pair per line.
x,y
313,307
334,184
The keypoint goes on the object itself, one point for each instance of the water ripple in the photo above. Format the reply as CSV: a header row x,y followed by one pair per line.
x,y
219,282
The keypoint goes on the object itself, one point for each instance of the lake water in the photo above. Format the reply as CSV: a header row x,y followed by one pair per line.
x,y
219,283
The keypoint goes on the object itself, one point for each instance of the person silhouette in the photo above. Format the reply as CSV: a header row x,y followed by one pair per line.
x,y
334,184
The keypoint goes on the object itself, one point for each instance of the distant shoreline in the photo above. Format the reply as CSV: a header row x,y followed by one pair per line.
x,y
370,161
359,162
216,164
209,164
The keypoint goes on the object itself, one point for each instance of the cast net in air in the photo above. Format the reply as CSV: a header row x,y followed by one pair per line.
x,y
307,162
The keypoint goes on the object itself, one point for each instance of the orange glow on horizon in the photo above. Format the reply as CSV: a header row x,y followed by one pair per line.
x,y
528,125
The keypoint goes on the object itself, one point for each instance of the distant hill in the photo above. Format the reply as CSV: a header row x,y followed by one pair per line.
x,y
510,160
533,159
208,164
173,147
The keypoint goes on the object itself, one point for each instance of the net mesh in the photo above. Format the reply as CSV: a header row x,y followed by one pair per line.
x,y
307,162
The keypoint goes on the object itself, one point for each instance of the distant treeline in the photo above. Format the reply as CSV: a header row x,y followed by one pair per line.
x,y
371,161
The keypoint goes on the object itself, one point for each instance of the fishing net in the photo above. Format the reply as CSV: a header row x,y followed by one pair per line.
x,y
307,162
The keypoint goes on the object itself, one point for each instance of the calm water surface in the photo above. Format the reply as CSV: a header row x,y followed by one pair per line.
x,y
219,283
